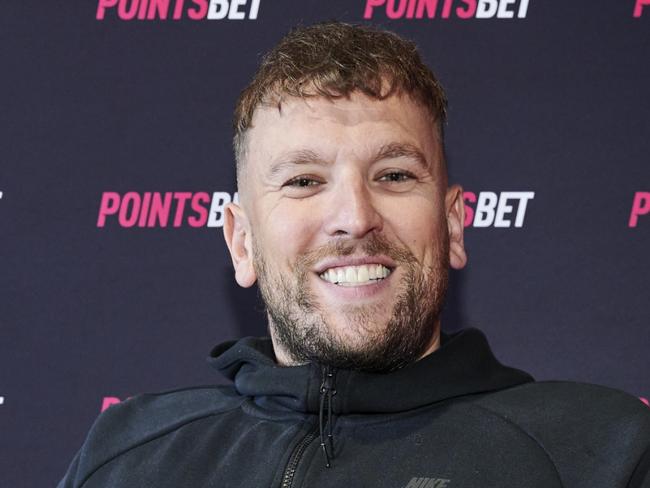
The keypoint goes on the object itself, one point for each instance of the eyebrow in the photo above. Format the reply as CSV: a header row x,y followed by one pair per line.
x,y
392,150
295,158
396,150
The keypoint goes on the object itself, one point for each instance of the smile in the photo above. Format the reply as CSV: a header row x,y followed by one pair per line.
x,y
365,274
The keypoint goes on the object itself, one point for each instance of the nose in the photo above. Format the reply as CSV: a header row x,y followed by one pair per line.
x,y
353,210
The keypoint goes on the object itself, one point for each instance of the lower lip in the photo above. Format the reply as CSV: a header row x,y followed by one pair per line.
x,y
356,292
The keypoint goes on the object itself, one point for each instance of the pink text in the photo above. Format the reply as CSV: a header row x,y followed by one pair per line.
x,y
640,206
178,9
156,209
108,401
444,9
638,7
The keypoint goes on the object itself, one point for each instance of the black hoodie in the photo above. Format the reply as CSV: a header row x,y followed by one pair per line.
x,y
456,418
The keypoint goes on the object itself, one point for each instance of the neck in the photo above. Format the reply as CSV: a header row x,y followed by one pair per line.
x,y
434,344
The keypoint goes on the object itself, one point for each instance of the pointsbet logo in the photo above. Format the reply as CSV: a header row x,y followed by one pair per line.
x,y
490,209
446,9
639,6
640,206
168,209
108,401
179,9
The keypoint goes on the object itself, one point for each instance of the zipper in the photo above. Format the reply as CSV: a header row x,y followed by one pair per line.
x,y
327,390
294,459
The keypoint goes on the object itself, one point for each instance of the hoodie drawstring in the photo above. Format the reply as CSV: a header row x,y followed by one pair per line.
x,y
327,390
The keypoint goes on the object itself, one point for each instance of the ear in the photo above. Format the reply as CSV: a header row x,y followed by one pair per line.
x,y
455,208
236,231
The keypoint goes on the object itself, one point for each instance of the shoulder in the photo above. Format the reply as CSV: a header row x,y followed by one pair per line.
x,y
140,419
582,427
150,413
554,400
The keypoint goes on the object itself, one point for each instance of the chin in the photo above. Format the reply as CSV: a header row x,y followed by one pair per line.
x,y
357,334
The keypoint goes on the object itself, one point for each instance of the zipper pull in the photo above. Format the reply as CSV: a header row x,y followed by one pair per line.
x,y
327,390
327,383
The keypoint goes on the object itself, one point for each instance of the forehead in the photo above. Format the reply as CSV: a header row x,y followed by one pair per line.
x,y
353,126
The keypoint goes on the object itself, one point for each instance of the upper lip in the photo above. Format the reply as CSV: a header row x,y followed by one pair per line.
x,y
354,261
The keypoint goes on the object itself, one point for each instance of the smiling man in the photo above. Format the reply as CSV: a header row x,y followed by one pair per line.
x,y
347,220
349,226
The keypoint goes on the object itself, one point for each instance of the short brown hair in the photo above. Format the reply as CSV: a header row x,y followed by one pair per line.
x,y
332,60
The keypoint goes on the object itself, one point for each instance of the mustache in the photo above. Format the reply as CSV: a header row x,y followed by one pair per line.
x,y
372,246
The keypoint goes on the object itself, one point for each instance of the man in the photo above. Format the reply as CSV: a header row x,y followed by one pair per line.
x,y
349,226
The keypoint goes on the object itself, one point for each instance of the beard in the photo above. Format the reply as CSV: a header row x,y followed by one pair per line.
x,y
298,324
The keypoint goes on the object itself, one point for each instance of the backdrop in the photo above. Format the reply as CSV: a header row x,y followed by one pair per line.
x,y
115,164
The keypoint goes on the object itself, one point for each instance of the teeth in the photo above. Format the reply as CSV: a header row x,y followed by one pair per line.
x,y
355,275
363,274
350,274
340,275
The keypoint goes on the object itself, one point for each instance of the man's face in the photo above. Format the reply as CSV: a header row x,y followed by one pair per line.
x,y
346,222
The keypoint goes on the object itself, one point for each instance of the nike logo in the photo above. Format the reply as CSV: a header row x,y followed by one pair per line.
x,y
428,483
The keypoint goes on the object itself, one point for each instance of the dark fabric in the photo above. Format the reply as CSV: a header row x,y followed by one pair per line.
x,y
456,418
641,476
249,364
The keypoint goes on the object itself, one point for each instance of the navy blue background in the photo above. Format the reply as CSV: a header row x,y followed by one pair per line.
x,y
557,103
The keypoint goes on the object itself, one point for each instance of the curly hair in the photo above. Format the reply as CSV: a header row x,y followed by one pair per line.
x,y
333,60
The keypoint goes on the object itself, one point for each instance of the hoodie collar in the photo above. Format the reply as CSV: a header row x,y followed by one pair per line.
x,y
463,365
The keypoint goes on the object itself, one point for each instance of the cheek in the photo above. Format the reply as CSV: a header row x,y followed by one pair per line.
x,y
289,231
421,228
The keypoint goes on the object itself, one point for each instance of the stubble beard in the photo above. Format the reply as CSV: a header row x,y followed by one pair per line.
x,y
298,324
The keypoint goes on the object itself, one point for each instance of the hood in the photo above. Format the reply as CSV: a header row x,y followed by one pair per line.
x,y
463,365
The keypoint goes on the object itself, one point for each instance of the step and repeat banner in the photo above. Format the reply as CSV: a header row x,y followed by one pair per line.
x,y
116,164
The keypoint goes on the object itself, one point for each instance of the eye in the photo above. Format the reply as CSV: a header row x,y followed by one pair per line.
x,y
303,186
396,176
302,182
